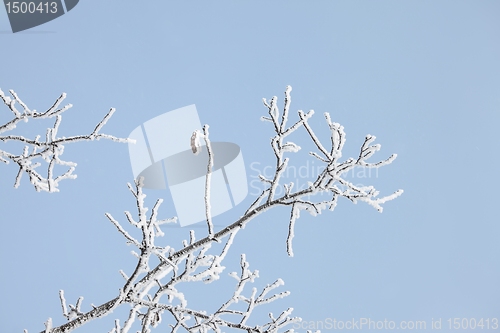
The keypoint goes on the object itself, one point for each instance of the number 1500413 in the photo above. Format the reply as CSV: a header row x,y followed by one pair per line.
x,y
473,323
24,7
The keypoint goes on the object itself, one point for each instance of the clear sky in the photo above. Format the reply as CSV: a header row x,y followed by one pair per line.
x,y
422,76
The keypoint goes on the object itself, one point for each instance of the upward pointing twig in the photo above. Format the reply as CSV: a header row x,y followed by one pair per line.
x,y
210,164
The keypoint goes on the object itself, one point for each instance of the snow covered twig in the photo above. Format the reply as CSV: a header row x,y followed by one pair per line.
x,y
48,150
328,181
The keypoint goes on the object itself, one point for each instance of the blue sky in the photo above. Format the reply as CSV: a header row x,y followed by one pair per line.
x,y
422,76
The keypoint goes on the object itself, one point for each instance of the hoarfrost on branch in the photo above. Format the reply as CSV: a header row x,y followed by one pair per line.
x,y
153,292
50,149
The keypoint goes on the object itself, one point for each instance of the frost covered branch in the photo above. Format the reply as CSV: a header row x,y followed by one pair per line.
x,y
160,295
74,310
50,149
156,293
207,183
331,180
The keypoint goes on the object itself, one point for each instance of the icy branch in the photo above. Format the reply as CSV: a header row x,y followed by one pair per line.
x,y
74,310
48,150
156,293
330,180
210,164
